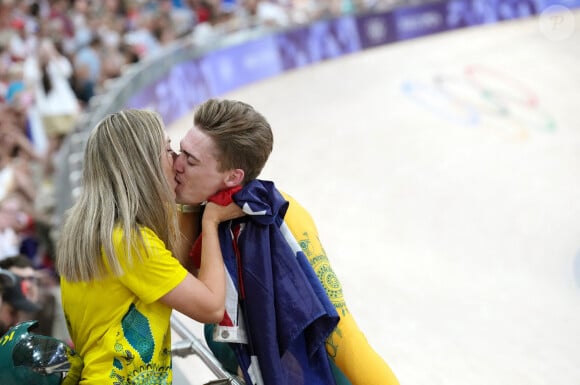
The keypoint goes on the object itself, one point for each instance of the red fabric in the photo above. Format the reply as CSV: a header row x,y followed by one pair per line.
x,y
195,253
203,14
226,321
17,23
222,198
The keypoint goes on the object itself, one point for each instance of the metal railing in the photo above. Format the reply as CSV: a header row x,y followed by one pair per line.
x,y
192,345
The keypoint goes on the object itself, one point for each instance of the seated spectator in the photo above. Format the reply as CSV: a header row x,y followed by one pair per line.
x,y
23,229
14,306
9,239
87,65
35,286
16,154
23,268
261,13
49,74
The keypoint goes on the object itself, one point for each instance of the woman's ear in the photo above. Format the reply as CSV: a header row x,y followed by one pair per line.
x,y
235,177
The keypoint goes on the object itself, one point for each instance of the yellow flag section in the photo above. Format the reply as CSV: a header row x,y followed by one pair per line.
x,y
347,345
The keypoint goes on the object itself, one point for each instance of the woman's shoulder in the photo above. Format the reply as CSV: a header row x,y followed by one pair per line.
x,y
145,233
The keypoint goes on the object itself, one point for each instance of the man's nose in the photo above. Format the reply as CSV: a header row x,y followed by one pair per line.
x,y
177,165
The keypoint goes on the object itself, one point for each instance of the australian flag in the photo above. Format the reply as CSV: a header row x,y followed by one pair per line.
x,y
281,304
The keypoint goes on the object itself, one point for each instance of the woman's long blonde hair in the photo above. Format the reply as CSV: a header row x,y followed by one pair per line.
x,y
123,185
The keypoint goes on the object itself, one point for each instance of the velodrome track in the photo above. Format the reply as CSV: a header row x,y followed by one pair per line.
x,y
444,176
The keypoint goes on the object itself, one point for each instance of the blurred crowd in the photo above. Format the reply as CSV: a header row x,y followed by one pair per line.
x,y
55,55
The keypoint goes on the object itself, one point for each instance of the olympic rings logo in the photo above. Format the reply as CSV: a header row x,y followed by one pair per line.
x,y
483,97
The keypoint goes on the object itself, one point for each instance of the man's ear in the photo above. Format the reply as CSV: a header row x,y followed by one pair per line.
x,y
235,177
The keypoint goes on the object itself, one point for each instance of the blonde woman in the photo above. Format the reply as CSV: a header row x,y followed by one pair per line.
x,y
119,279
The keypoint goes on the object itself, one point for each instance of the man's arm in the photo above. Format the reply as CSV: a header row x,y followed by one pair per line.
x,y
347,345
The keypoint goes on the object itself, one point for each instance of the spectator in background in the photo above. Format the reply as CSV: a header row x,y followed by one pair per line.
x,y
87,69
17,187
25,230
59,17
212,24
35,286
23,268
14,224
263,13
19,98
49,74
143,36
9,241
15,306
24,223
305,11
15,169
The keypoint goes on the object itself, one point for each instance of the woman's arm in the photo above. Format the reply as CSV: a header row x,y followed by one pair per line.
x,y
203,298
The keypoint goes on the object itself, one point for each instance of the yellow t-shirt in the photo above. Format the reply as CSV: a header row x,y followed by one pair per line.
x,y
118,325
